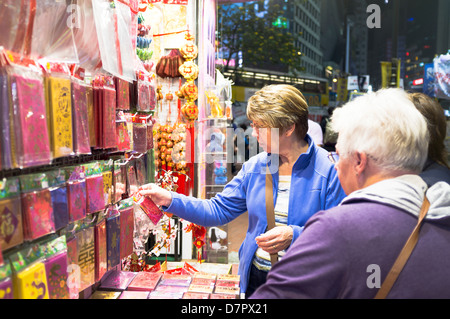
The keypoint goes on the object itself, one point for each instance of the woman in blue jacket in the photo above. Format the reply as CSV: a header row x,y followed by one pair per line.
x,y
304,182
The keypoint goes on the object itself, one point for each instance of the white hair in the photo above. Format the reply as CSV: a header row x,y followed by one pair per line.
x,y
385,125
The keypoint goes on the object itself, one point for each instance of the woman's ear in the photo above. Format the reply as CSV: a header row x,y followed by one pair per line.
x,y
360,165
289,131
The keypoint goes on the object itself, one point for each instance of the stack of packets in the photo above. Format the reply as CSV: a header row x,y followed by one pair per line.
x,y
182,283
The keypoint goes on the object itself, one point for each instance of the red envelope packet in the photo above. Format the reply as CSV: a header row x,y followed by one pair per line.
x,y
95,194
149,208
32,142
76,196
81,144
100,250
37,213
145,281
126,232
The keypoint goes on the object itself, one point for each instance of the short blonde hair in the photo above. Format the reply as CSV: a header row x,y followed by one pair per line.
x,y
386,125
279,106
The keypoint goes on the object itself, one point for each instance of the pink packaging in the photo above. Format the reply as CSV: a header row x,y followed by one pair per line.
x,y
149,208
145,281
32,139
95,193
80,118
126,232
56,270
117,280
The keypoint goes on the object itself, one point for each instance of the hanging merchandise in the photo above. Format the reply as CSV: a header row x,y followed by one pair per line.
x,y
141,170
56,262
5,123
11,226
108,189
6,286
101,253
58,193
94,187
80,115
86,41
112,237
120,179
91,116
86,256
29,274
76,193
73,270
140,133
122,134
123,94
126,209
59,109
37,210
170,65
38,28
146,93
112,19
29,130
213,101
131,177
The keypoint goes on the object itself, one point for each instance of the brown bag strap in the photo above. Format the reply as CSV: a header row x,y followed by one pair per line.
x,y
270,210
404,254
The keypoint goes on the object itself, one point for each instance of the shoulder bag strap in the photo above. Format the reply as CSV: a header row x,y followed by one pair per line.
x,y
270,209
404,254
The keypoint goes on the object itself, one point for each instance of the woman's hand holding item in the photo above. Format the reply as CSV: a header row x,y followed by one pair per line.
x,y
276,239
159,196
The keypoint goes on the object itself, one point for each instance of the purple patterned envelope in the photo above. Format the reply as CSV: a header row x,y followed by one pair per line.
x,y
95,193
34,134
6,289
56,269
76,196
118,280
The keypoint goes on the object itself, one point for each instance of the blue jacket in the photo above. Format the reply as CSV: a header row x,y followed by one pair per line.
x,y
314,187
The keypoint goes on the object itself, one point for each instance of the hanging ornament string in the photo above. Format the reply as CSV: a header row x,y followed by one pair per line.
x,y
169,33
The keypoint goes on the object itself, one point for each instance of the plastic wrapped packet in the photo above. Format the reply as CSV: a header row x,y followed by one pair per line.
x,y
52,27
6,287
5,144
86,256
113,237
122,134
123,94
76,193
111,21
56,262
126,209
94,188
58,193
59,109
10,213
29,274
100,249
37,210
81,139
31,146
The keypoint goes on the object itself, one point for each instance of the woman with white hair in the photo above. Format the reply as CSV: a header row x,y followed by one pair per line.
x,y
381,149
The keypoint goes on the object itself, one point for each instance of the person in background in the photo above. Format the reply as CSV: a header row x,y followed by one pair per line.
x,y
382,147
329,136
436,167
304,182
315,131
